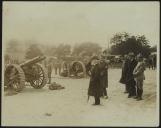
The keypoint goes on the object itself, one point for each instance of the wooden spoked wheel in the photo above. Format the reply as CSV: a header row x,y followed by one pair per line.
x,y
78,67
14,77
39,76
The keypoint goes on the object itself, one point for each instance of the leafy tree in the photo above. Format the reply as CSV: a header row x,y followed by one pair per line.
x,y
6,58
62,50
123,43
153,49
33,51
49,50
12,46
86,49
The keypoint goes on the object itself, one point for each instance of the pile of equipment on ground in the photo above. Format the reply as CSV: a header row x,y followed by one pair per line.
x,y
55,86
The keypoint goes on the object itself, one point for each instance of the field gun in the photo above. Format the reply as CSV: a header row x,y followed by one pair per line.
x,y
30,71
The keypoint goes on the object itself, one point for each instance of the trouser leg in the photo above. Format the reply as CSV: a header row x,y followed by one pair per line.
x,y
59,70
141,93
97,100
104,92
55,71
140,88
49,77
49,80
132,90
126,88
137,90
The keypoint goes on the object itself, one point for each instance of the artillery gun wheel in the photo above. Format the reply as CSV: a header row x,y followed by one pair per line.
x,y
80,65
39,78
14,77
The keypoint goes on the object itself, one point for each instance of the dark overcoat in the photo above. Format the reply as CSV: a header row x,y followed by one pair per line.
x,y
130,78
104,74
124,71
88,68
95,88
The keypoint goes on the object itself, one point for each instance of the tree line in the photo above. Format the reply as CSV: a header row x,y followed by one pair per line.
x,y
121,44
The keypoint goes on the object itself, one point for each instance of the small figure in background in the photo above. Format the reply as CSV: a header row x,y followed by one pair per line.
x,y
49,70
150,62
154,61
57,66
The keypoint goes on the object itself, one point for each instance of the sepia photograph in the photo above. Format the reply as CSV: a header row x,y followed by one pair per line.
x,y
80,63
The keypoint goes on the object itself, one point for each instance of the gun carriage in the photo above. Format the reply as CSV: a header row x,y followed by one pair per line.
x,y
30,71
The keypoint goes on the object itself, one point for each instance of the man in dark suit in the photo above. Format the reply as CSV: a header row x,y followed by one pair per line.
x,y
124,72
95,88
104,75
130,78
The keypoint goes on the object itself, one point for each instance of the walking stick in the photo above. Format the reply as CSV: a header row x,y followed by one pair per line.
x,y
88,98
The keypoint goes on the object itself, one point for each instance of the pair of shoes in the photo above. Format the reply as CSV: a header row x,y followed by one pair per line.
x,y
105,97
95,104
129,96
139,98
135,97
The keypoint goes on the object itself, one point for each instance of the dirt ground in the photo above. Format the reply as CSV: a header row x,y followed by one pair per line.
x,y
69,106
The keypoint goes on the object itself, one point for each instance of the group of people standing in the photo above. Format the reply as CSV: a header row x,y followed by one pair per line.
x,y
98,78
133,68
152,62
133,75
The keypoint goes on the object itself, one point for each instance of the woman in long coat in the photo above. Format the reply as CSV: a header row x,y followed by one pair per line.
x,y
95,87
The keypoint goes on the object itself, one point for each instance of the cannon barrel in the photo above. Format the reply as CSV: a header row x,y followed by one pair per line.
x,y
32,61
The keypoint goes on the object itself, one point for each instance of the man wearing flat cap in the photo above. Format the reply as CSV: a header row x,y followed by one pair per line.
x,y
130,78
139,76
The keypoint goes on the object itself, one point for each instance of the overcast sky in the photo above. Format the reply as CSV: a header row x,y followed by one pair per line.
x,y
74,22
